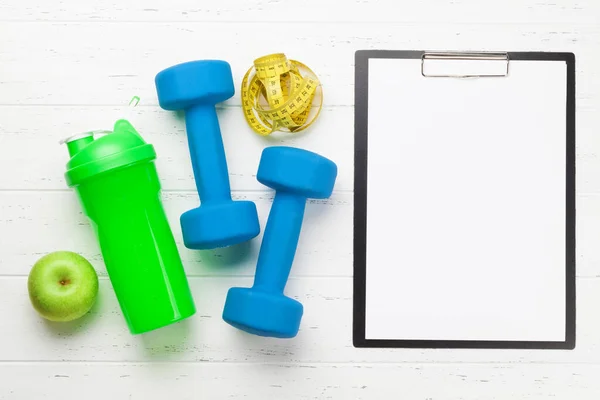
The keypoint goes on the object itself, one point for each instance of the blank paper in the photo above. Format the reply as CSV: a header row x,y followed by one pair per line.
x,y
466,204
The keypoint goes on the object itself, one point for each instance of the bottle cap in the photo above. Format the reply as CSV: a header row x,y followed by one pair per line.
x,y
92,155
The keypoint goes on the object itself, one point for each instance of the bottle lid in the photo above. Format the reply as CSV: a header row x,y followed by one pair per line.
x,y
92,155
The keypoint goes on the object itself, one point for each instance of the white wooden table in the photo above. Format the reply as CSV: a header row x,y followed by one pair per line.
x,y
73,65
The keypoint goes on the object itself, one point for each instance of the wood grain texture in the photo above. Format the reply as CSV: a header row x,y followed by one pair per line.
x,y
28,230
217,381
69,65
49,63
325,332
30,139
436,11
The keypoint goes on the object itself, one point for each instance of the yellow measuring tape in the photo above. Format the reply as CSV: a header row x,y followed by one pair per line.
x,y
280,94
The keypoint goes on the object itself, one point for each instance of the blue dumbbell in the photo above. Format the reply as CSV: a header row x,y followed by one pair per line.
x,y
197,87
296,175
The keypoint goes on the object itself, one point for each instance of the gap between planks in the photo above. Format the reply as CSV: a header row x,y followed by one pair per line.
x,y
191,192
569,24
312,364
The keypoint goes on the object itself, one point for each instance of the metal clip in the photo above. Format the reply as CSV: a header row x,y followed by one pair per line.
x,y
453,56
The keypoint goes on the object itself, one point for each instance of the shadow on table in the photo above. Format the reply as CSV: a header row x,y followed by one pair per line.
x,y
169,342
269,349
77,326
227,258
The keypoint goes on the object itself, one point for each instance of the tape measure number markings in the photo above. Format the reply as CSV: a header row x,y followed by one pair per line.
x,y
288,94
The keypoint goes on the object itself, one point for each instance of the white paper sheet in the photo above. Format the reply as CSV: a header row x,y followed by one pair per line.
x,y
466,204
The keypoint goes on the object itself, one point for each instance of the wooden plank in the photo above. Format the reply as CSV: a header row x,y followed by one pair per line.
x,y
108,63
30,149
98,65
35,223
325,334
279,380
461,11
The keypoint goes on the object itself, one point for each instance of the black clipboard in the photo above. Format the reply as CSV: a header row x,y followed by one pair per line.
x,y
361,217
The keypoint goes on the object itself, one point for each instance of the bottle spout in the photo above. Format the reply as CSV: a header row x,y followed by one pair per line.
x,y
78,141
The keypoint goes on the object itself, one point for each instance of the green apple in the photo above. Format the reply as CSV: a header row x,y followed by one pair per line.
x,y
63,286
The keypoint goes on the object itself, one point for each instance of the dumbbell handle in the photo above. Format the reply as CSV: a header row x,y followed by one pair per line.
x,y
279,242
207,153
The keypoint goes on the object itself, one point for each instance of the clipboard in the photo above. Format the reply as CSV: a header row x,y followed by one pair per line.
x,y
464,200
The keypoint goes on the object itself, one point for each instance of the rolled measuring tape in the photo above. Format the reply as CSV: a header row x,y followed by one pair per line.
x,y
278,95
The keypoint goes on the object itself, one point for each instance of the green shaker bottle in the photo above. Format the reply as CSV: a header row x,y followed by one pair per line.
x,y
118,187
